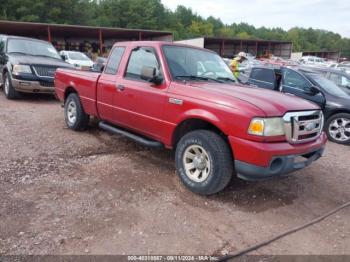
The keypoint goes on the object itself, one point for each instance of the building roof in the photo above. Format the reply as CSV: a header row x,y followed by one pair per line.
x,y
209,39
30,29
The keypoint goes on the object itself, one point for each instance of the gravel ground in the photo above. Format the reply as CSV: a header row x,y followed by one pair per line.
x,y
64,192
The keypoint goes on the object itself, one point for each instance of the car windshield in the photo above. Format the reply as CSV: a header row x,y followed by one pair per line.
x,y
195,64
328,85
78,56
32,47
347,66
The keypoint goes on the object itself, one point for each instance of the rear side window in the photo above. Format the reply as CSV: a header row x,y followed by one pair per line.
x,y
139,58
114,60
263,74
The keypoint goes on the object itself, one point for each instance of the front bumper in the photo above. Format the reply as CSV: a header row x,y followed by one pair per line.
x,y
28,86
279,166
256,160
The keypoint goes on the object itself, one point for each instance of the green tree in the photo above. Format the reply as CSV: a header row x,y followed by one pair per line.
x,y
152,14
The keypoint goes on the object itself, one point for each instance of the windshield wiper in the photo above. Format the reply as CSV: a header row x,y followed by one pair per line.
x,y
20,53
227,79
193,77
48,56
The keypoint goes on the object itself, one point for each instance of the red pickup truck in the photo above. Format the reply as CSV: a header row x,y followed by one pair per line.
x,y
185,98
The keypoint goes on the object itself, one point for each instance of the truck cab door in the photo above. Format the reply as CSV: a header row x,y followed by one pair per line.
x,y
107,86
296,84
140,103
263,77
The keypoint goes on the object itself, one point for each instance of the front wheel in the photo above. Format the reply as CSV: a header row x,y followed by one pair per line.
x,y
204,162
9,91
338,128
74,113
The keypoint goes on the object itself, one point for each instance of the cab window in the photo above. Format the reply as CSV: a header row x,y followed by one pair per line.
x,y
295,80
139,58
114,60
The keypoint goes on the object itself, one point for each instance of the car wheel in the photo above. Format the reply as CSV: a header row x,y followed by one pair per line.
x,y
74,113
9,91
204,162
338,128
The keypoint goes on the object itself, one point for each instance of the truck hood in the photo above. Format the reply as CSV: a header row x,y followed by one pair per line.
x,y
273,103
37,60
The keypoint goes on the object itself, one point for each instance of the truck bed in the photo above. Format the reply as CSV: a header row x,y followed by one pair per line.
x,y
84,82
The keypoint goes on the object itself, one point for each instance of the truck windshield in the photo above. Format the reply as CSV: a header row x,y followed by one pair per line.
x,y
32,47
327,85
196,64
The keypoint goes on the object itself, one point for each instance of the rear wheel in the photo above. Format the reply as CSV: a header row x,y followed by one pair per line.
x,y
338,128
204,162
9,91
74,113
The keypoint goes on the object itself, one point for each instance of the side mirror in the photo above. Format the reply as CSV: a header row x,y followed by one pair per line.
x,y
64,58
312,90
149,74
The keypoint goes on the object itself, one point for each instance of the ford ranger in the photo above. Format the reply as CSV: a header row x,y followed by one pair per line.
x,y
186,98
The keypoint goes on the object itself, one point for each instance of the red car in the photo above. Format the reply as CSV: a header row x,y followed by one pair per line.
x,y
186,98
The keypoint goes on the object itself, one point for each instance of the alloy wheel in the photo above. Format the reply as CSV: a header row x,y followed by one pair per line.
x,y
196,163
339,129
72,112
7,86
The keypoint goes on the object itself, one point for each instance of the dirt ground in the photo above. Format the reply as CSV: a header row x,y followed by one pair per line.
x,y
63,192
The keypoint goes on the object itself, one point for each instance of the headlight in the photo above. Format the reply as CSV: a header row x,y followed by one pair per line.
x,y
21,69
266,127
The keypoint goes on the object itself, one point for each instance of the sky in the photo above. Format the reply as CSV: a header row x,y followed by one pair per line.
x,y
331,15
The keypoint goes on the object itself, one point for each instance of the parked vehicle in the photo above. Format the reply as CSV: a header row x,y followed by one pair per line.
x,y
27,65
310,85
343,66
157,93
313,60
339,77
78,59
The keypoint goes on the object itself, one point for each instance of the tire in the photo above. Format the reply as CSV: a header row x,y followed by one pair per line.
x,y
9,91
213,162
338,128
74,114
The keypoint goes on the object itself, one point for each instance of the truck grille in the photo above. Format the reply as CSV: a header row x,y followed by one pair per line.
x,y
302,127
45,71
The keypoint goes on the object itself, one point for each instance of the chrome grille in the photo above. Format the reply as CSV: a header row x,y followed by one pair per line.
x,y
302,127
45,71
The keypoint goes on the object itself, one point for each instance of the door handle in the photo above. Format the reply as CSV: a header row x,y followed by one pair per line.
x,y
120,87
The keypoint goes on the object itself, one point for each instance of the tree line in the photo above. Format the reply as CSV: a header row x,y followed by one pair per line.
x,y
152,14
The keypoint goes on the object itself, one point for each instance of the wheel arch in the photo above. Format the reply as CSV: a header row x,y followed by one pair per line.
x,y
69,90
337,111
195,123
4,71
